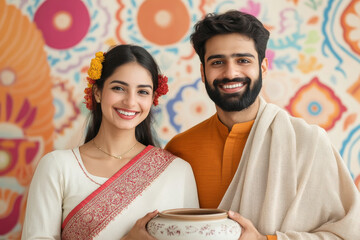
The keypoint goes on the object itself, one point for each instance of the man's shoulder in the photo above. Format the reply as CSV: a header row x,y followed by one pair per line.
x,y
296,125
193,135
198,129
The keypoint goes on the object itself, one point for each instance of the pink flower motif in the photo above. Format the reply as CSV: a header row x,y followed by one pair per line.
x,y
191,229
173,231
207,230
252,8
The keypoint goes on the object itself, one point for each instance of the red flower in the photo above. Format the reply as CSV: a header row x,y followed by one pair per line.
x,y
88,98
162,88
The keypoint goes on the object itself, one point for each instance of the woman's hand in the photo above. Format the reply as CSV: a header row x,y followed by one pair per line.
x,y
248,232
138,231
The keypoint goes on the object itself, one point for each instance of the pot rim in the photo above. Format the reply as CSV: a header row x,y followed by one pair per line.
x,y
197,214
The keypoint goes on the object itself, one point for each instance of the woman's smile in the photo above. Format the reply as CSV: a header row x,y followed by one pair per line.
x,y
127,114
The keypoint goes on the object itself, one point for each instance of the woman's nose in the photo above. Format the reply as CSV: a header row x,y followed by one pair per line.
x,y
130,99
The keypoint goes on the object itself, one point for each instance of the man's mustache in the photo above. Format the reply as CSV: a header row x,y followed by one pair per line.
x,y
216,82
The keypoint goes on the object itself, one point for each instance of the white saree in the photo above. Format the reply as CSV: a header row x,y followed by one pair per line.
x,y
292,182
66,202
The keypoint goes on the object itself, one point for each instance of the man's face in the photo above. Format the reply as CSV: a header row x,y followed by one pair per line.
x,y
232,76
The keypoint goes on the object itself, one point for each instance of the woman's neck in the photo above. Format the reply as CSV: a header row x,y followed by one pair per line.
x,y
115,142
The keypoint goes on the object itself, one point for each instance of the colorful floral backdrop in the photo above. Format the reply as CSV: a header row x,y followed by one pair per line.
x,y
46,46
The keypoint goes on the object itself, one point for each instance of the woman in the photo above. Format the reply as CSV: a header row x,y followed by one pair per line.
x,y
101,188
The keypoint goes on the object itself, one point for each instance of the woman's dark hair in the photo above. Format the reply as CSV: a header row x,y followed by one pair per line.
x,y
114,58
230,22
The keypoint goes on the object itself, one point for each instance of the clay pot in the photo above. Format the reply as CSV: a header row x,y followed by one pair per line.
x,y
194,224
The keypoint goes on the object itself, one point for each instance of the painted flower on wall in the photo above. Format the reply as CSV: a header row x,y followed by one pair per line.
x,y
26,112
317,104
184,108
350,20
72,30
160,26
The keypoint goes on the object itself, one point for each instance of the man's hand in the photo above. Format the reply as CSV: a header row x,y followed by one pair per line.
x,y
138,231
248,232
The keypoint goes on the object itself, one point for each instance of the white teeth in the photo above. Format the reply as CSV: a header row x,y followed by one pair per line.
x,y
126,113
233,85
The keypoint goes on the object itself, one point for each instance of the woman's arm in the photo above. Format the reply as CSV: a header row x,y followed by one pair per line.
x,y
44,203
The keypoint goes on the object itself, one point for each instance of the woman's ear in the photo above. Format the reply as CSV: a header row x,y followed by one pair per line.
x,y
97,94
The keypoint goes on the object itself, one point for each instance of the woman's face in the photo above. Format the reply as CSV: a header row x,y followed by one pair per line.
x,y
127,97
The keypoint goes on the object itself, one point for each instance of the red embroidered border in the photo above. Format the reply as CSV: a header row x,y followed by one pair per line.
x,y
93,214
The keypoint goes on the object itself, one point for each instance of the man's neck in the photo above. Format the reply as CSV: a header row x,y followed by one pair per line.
x,y
245,115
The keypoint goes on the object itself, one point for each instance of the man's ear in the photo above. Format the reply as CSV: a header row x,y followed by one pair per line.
x,y
264,67
202,73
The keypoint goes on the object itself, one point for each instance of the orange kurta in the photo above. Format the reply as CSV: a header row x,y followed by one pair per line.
x,y
214,153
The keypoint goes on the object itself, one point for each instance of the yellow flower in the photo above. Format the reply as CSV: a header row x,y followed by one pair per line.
x,y
100,56
94,71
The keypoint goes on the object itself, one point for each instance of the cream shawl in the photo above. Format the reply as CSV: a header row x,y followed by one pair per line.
x,y
292,182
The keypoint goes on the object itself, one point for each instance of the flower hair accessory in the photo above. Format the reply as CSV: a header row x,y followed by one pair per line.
x,y
162,88
94,73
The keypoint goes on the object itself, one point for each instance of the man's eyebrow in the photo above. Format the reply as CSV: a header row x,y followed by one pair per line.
x,y
232,55
215,56
242,55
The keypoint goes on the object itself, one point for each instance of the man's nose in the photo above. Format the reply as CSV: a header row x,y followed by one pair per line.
x,y
231,71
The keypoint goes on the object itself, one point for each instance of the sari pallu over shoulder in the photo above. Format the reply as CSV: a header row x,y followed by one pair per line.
x,y
96,211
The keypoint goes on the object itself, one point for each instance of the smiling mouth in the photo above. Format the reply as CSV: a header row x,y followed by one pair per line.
x,y
231,86
126,113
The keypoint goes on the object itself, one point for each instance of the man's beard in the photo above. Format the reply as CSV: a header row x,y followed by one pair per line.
x,y
231,102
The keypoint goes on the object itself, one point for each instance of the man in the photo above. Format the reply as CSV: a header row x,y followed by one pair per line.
x,y
282,175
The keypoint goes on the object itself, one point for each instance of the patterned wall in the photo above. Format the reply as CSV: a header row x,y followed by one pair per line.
x,y
46,46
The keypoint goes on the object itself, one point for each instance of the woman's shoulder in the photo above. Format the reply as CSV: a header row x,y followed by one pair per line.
x,y
57,157
175,159
59,153
162,152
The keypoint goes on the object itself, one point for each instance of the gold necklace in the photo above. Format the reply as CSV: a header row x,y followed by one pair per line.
x,y
119,156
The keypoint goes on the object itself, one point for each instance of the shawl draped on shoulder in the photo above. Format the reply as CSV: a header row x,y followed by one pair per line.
x,y
292,182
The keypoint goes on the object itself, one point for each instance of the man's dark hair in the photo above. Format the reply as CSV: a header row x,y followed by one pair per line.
x,y
229,22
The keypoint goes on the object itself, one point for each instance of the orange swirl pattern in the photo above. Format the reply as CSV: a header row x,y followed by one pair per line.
x,y
26,111
350,23
25,75
8,197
